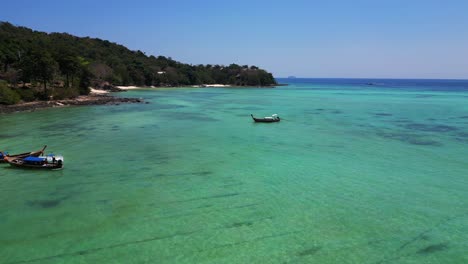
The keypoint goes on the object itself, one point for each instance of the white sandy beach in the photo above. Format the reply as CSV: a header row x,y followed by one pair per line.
x,y
129,87
194,86
216,85
95,91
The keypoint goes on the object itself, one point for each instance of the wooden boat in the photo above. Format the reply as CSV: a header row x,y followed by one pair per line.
x,y
267,119
49,162
5,157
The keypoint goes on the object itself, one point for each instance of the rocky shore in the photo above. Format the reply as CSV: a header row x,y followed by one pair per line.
x,y
92,99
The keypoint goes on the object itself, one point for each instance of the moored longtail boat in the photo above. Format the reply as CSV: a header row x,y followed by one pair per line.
x,y
49,162
4,157
267,119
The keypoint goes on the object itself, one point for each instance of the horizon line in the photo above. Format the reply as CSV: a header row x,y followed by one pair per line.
x,y
373,78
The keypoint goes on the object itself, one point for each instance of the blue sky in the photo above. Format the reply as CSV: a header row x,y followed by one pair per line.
x,y
359,38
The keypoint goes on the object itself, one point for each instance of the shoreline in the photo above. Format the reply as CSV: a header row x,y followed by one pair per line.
x,y
104,97
132,87
82,100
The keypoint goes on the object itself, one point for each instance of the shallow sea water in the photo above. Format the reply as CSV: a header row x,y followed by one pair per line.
x,y
352,174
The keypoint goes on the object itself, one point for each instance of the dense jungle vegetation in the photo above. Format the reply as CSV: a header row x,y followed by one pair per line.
x,y
37,65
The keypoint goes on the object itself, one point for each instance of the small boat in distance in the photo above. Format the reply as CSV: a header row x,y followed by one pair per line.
x,y
267,119
49,162
4,155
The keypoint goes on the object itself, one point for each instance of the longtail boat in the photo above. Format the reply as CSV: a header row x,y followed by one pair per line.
x,y
4,157
267,119
49,162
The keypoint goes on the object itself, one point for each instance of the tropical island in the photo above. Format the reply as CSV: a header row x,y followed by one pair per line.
x,y
38,66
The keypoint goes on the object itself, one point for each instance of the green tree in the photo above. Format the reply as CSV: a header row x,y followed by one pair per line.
x,y
40,65
7,95
69,66
84,76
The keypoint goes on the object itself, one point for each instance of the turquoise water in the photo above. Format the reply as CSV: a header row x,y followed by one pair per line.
x,y
352,174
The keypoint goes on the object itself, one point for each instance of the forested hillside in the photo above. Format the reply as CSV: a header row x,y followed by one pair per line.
x,y
58,65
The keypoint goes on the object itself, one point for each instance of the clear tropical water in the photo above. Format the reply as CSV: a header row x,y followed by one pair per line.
x,y
354,173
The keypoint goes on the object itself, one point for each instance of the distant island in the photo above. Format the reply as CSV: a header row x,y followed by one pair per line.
x,y
40,66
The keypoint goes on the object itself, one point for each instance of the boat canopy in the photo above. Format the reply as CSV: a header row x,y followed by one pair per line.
x,y
33,159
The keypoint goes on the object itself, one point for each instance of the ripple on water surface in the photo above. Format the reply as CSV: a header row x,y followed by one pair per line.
x,y
348,176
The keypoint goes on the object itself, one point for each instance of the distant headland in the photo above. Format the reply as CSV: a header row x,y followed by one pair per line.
x,y
40,66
